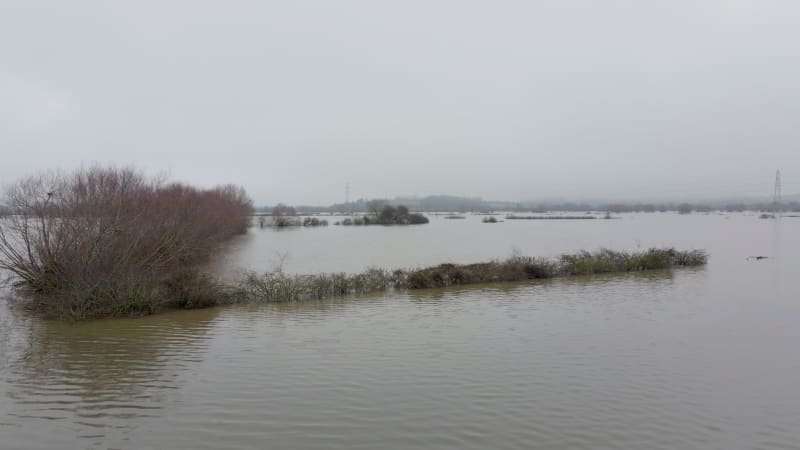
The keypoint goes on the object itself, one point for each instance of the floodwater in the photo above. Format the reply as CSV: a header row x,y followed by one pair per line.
x,y
703,358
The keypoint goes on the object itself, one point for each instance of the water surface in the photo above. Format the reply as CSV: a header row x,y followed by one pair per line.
x,y
699,358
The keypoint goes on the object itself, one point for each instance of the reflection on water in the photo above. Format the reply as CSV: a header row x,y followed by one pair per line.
x,y
100,377
703,358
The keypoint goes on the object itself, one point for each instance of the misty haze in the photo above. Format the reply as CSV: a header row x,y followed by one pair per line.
x,y
354,224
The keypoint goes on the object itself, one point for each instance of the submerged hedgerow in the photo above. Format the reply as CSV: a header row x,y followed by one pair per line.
x,y
281,287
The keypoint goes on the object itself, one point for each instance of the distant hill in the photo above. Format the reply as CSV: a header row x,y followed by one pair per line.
x,y
441,203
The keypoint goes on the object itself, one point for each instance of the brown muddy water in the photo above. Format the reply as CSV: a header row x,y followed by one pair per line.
x,y
704,358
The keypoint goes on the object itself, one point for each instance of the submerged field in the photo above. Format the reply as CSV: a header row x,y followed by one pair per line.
x,y
109,242
699,358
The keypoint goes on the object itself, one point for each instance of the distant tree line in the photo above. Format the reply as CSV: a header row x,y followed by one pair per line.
x,y
468,204
686,208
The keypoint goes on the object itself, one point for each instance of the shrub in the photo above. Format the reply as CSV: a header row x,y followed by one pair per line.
x,y
417,219
103,241
285,221
391,215
281,287
191,289
284,216
314,222
604,260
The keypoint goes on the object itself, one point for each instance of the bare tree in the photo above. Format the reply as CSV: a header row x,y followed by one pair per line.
x,y
375,207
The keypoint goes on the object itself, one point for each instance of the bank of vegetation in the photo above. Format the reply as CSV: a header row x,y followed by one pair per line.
x,y
282,287
108,241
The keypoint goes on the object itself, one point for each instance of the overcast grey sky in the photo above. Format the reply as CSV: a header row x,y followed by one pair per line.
x,y
501,99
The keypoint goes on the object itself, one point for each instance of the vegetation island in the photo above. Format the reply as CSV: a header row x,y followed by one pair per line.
x,y
382,214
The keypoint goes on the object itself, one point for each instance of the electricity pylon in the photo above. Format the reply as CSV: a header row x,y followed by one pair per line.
x,y
776,194
347,197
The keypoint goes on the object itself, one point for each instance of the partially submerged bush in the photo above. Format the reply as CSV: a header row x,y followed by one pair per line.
x,y
103,241
513,269
285,216
190,289
281,287
414,219
285,221
604,261
490,219
314,222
